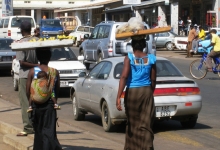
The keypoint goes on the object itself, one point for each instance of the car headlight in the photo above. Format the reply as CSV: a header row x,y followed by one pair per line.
x,y
78,70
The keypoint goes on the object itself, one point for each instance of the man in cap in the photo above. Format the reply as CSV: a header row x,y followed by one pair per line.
x,y
192,35
27,60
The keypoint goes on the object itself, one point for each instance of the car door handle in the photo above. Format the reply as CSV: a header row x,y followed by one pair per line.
x,y
4,32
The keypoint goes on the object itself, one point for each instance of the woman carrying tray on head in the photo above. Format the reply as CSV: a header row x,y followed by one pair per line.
x,y
139,75
44,116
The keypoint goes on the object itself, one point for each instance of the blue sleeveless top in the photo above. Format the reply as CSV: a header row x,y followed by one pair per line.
x,y
140,73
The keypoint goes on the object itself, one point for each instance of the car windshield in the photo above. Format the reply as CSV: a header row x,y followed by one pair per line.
x,y
164,69
62,54
5,44
51,23
16,22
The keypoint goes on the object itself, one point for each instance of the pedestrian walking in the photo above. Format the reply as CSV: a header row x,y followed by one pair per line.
x,y
192,35
27,60
215,52
181,26
189,22
44,116
139,76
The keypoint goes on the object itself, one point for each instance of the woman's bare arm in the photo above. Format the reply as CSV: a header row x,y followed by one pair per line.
x,y
153,77
122,82
57,85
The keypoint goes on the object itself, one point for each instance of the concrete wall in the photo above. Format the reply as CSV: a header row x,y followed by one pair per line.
x,y
162,16
174,16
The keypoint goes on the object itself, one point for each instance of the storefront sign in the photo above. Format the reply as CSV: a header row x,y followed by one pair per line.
x,y
132,2
7,8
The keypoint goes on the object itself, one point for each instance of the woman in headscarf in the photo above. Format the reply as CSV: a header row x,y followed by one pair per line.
x,y
139,77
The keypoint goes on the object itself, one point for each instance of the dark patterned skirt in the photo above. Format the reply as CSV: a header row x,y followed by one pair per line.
x,y
44,118
140,111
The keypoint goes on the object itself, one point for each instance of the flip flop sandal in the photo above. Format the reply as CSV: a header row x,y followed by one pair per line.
x,y
22,134
57,107
29,110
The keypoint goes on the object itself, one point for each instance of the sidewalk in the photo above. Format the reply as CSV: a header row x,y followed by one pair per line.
x,y
69,136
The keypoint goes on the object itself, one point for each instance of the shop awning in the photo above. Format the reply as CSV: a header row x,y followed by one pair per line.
x,y
149,3
92,5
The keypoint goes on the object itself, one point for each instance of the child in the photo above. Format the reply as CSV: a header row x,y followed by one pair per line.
x,y
43,75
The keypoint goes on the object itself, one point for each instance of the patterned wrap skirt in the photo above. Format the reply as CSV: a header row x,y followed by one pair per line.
x,y
140,111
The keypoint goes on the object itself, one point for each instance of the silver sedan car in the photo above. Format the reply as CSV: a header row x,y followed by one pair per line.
x,y
176,97
165,39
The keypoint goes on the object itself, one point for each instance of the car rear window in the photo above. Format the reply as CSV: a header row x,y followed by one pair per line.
x,y
16,22
5,44
164,69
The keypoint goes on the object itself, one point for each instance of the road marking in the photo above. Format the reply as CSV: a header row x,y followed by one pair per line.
x,y
179,138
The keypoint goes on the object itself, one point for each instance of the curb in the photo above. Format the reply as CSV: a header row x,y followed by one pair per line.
x,y
10,138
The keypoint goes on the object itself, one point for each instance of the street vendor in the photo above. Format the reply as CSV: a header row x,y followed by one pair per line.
x,y
27,60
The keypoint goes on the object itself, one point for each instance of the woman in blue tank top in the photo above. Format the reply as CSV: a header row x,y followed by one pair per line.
x,y
139,77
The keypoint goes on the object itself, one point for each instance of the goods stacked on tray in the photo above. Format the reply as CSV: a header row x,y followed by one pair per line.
x,y
59,41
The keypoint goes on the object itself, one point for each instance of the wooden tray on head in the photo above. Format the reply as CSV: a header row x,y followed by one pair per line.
x,y
143,32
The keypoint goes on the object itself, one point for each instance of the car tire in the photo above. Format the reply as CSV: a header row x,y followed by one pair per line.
x,y
15,84
188,124
169,46
100,57
77,114
106,118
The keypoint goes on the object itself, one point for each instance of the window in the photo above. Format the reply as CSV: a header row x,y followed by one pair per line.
x,y
95,71
118,70
107,31
1,23
62,54
71,2
166,69
28,12
104,73
48,2
91,29
86,29
94,33
6,23
5,44
51,23
101,32
80,28
15,22
27,1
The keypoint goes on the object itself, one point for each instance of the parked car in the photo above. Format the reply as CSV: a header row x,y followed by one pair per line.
x,y
181,42
165,39
206,43
9,26
50,28
79,33
103,44
6,54
64,60
176,96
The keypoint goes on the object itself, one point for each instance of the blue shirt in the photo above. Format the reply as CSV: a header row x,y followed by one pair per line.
x,y
140,73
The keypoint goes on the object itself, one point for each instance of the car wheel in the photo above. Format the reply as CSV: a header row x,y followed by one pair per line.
x,y
188,124
100,57
15,84
81,53
77,114
169,46
106,118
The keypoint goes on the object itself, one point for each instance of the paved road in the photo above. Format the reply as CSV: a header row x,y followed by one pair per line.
x,y
168,134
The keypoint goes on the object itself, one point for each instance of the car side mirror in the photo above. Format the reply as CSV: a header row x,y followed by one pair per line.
x,y
80,58
86,36
82,74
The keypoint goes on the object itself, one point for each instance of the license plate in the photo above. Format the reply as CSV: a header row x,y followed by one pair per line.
x,y
64,83
165,111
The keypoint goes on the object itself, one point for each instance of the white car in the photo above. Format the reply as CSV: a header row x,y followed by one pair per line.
x,y
64,60
79,33
181,42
